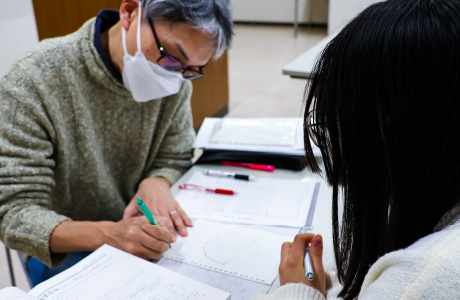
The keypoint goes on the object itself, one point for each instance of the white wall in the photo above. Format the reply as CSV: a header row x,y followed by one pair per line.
x,y
281,11
342,11
18,31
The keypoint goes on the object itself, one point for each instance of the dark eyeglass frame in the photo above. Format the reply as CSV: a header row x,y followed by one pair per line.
x,y
313,127
187,72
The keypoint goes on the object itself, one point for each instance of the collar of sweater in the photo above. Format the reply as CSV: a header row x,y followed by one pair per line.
x,y
96,67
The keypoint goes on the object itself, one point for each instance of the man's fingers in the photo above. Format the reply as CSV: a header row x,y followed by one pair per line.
x,y
167,224
131,210
178,222
184,216
173,219
155,211
153,249
139,238
159,233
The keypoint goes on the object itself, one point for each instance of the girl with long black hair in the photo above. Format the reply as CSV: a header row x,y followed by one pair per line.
x,y
384,108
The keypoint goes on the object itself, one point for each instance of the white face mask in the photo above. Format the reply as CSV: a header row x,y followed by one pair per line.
x,y
146,80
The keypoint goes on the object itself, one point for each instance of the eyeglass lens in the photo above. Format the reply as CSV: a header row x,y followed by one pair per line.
x,y
312,127
170,63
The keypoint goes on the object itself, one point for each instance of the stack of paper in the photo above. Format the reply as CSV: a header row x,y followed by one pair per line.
x,y
269,135
272,141
248,253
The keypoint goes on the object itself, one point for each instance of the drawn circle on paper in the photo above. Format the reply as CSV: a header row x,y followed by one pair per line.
x,y
232,249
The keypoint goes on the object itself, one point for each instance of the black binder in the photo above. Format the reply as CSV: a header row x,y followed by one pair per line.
x,y
283,161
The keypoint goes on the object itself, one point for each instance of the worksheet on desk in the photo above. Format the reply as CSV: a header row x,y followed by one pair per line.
x,y
111,274
263,201
231,249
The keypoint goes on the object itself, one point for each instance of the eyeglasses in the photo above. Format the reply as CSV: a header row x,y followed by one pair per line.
x,y
171,63
313,127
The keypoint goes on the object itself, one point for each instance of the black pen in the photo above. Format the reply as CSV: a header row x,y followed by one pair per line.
x,y
227,175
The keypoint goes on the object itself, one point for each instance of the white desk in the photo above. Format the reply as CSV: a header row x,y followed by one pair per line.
x,y
240,289
302,66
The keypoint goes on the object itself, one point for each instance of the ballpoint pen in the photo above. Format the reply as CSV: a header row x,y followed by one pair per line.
x,y
307,263
147,213
228,175
249,165
188,186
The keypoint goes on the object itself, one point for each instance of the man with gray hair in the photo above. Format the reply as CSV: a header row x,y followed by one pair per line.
x,y
92,120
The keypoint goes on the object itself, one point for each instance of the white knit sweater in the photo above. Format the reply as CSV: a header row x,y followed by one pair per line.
x,y
428,269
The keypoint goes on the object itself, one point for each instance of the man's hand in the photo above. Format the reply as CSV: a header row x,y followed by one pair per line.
x,y
138,237
292,268
133,235
155,194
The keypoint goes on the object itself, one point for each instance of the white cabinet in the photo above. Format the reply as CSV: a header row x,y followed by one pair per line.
x,y
280,11
342,11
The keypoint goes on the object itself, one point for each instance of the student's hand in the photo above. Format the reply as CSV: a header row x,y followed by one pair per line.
x,y
138,237
155,194
292,269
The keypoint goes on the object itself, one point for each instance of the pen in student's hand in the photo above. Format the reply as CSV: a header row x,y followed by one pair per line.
x,y
267,168
307,263
227,175
147,213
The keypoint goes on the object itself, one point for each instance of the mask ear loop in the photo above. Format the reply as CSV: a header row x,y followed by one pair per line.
x,y
123,32
139,27
123,35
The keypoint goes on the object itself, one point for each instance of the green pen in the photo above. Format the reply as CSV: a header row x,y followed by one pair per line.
x,y
147,213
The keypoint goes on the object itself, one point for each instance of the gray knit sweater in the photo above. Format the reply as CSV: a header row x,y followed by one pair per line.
x,y
75,145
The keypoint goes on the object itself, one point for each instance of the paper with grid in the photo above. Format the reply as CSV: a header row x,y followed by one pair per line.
x,y
264,201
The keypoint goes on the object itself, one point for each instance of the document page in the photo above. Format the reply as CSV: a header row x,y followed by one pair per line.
x,y
231,249
264,201
109,273
14,293
239,288
210,137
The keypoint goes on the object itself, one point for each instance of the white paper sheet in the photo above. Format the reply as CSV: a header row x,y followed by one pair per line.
x,y
255,132
14,293
231,249
239,288
111,274
204,136
264,201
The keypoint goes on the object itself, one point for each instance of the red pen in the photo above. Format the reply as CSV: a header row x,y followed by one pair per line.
x,y
250,166
188,186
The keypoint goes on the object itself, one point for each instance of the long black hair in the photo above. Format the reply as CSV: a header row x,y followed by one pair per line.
x,y
386,96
